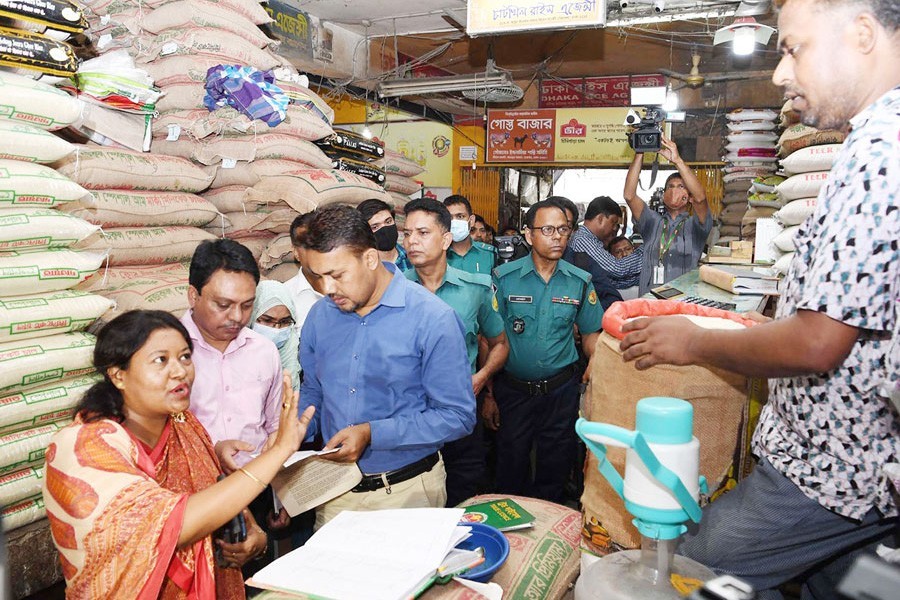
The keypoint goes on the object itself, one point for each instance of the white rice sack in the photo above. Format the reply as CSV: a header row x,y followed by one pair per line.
x,y
20,485
25,448
31,184
40,229
752,114
796,211
117,208
784,241
803,185
46,271
19,141
783,264
737,146
38,315
751,137
23,513
751,125
150,245
104,168
811,158
45,404
27,100
750,161
25,364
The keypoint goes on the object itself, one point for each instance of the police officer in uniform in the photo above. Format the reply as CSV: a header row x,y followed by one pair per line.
x,y
541,298
426,237
466,254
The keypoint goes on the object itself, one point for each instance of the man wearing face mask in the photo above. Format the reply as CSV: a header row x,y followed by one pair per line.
x,y
673,241
464,253
380,217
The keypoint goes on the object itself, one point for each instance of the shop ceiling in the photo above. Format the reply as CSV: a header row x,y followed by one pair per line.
x,y
629,44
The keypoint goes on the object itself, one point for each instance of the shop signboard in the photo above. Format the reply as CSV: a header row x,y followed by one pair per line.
x,y
424,142
593,92
292,26
521,135
509,16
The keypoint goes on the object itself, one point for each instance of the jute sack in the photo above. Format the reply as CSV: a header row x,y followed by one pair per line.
x,y
796,211
398,201
230,198
250,9
803,185
257,244
757,212
800,136
719,398
733,214
208,41
276,252
181,96
784,241
130,246
730,231
38,315
403,185
282,271
113,278
26,364
395,163
30,184
305,190
811,158
103,168
173,70
45,404
22,484
41,229
251,224
145,294
19,141
26,100
301,123
25,448
201,13
46,271
117,208
249,174
265,146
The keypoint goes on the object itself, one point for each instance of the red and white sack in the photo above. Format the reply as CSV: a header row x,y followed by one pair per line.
x,y
208,41
250,9
251,224
249,174
402,185
116,277
122,208
395,163
811,158
803,185
204,14
130,246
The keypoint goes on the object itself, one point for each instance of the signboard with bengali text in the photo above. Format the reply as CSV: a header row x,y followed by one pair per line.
x,y
593,92
292,27
508,16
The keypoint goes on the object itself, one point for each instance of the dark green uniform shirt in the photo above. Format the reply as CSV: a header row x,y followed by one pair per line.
x,y
538,316
470,295
480,259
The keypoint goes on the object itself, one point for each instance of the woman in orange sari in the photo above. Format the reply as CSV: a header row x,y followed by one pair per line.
x,y
130,489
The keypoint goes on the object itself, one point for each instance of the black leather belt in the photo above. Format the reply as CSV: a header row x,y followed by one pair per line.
x,y
542,386
376,481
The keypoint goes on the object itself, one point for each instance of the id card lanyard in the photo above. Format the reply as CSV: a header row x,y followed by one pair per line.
x,y
659,272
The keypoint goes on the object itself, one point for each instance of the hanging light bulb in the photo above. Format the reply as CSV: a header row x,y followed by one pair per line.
x,y
366,132
671,103
744,41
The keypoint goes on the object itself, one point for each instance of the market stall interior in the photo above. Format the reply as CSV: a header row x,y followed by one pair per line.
x,y
568,167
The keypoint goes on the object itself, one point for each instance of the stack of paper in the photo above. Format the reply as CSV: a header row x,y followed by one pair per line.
x,y
377,555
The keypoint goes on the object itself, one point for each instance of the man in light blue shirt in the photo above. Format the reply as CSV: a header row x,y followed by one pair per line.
x,y
385,365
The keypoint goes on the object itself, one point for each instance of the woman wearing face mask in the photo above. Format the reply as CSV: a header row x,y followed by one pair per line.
x,y
380,217
273,316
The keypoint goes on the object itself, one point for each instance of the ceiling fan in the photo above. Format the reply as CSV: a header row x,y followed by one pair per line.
x,y
696,79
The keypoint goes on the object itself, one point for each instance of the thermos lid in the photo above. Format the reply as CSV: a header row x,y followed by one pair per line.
x,y
665,420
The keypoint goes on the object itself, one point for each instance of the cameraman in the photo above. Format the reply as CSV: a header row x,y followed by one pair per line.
x,y
673,241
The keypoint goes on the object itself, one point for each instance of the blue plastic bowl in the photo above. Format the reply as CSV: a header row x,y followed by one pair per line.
x,y
496,549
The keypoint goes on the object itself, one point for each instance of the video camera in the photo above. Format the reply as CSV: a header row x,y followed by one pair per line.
x,y
510,248
646,135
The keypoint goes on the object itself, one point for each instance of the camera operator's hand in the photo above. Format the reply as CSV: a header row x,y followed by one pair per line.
x,y
669,150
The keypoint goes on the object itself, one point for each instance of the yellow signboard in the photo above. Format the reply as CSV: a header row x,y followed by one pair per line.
x,y
424,142
507,16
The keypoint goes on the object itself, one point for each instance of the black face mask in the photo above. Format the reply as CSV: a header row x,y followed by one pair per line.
x,y
386,238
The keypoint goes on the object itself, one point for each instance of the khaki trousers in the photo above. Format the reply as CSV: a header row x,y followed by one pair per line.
x,y
427,490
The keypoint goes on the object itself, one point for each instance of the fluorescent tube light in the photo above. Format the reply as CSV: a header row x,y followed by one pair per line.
x,y
421,86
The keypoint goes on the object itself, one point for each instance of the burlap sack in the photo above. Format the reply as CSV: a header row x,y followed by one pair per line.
x,y
202,13
252,224
209,41
265,146
174,70
258,244
402,185
305,190
276,252
249,174
231,198
121,208
395,163
145,294
114,277
800,136
719,399
282,271
250,9
150,245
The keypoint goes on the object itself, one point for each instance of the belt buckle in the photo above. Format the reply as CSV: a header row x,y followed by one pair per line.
x,y
536,388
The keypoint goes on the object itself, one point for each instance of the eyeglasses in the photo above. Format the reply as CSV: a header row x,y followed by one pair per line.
x,y
277,324
548,230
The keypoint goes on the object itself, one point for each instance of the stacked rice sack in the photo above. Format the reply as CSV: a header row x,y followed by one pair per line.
x,y
807,156
398,165
750,153
45,355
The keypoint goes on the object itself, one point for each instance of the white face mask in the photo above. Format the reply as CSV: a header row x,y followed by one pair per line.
x,y
278,336
459,229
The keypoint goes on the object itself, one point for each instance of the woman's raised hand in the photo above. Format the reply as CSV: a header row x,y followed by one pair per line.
x,y
291,430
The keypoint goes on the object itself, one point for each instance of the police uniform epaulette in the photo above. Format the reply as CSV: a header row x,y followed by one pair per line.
x,y
484,246
507,268
479,278
571,269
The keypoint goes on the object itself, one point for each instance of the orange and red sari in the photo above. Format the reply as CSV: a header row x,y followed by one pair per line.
x,y
116,507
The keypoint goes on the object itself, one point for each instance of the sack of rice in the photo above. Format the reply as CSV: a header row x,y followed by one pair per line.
x,y
25,448
735,198
395,163
27,100
118,208
22,484
796,211
783,264
181,96
751,125
104,168
31,184
257,244
200,13
803,185
799,136
230,198
265,146
130,246
811,158
282,271
757,212
174,70
766,185
761,200
278,250
403,185
305,190
784,241
398,200
38,315
733,214
146,294
250,9
208,41
19,141
25,364
751,136
251,224
41,229
49,403
23,513
751,114
46,271
729,231
250,173
302,123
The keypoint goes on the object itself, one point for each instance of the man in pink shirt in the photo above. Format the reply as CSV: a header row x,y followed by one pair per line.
x,y
237,389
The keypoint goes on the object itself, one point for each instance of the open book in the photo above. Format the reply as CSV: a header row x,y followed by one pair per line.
x,y
307,481
739,280
375,555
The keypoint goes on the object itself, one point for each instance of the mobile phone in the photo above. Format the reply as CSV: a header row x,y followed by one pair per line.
x,y
664,292
232,532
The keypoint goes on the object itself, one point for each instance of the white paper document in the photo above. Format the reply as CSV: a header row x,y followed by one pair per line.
x,y
307,480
